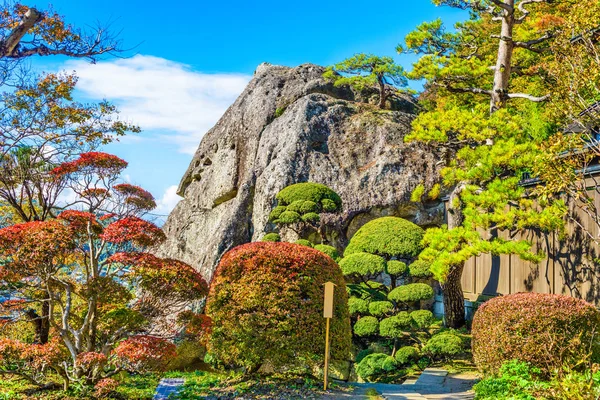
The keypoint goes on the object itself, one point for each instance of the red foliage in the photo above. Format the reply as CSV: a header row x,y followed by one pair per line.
x,y
79,220
28,357
135,230
549,331
91,359
145,353
197,326
135,196
105,386
103,164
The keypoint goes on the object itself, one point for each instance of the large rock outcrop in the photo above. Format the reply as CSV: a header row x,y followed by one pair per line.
x,y
288,126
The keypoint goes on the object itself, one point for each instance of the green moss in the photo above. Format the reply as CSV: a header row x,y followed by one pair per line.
x,y
411,293
279,112
304,242
422,318
310,191
357,306
309,207
434,193
296,206
329,250
396,326
419,269
380,308
395,267
417,193
271,237
444,345
389,237
407,355
311,218
276,213
362,264
288,217
366,326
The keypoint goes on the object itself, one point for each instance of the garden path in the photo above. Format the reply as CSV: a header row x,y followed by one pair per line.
x,y
167,387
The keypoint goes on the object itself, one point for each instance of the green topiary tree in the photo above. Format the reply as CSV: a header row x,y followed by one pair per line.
x,y
383,250
266,306
299,206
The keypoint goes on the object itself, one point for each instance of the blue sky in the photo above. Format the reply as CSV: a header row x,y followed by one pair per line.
x,y
192,58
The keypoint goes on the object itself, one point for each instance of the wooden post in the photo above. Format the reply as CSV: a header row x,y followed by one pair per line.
x,y
327,314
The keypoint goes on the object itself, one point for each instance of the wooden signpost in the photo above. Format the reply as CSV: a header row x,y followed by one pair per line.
x,y
327,314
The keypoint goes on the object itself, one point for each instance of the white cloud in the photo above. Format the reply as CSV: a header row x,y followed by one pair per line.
x,y
168,201
158,94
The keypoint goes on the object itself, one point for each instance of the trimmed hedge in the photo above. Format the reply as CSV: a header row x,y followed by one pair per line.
x,y
389,237
407,355
366,326
304,242
266,306
357,306
396,326
444,345
329,250
422,318
411,293
271,237
373,365
420,270
549,331
380,308
395,267
309,191
363,264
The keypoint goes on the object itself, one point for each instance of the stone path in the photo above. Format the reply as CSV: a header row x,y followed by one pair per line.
x,y
432,384
167,387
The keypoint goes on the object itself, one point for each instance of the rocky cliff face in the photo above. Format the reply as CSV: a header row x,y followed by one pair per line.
x,y
290,126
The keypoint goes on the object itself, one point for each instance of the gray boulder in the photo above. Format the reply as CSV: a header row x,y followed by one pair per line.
x,y
288,126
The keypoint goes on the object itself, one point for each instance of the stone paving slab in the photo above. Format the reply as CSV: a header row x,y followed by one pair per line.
x,y
166,387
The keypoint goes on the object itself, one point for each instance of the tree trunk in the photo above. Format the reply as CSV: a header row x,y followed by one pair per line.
x,y
382,96
454,301
504,59
45,323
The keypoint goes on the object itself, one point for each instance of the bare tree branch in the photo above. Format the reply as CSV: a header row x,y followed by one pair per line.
x,y
32,17
528,97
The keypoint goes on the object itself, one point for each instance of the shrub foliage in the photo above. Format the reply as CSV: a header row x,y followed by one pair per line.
x,y
549,331
266,305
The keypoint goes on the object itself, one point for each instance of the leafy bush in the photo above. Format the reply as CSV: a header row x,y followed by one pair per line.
x,y
362,354
304,242
276,212
380,308
271,237
411,293
288,217
357,306
407,355
395,267
422,318
549,331
309,191
309,207
366,326
444,345
420,270
329,250
388,237
311,218
296,206
330,206
266,304
515,380
373,365
396,326
362,264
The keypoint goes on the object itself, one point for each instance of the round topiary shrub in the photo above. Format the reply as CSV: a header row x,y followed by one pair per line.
x,y
304,242
271,237
276,212
395,267
329,250
549,331
309,207
444,345
420,269
389,237
266,306
411,293
296,206
380,308
374,365
362,264
396,326
309,191
311,218
407,355
366,326
357,306
288,217
422,319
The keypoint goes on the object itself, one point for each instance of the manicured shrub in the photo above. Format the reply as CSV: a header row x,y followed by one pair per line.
x,y
374,365
388,237
370,291
329,250
288,217
329,206
380,308
276,212
271,237
444,345
266,305
366,326
396,326
549,331
357,306
362,264
304,242
309,191
311,218
395,267
420,270
309,207
407,355
362,354
296,206
411,293
422,318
